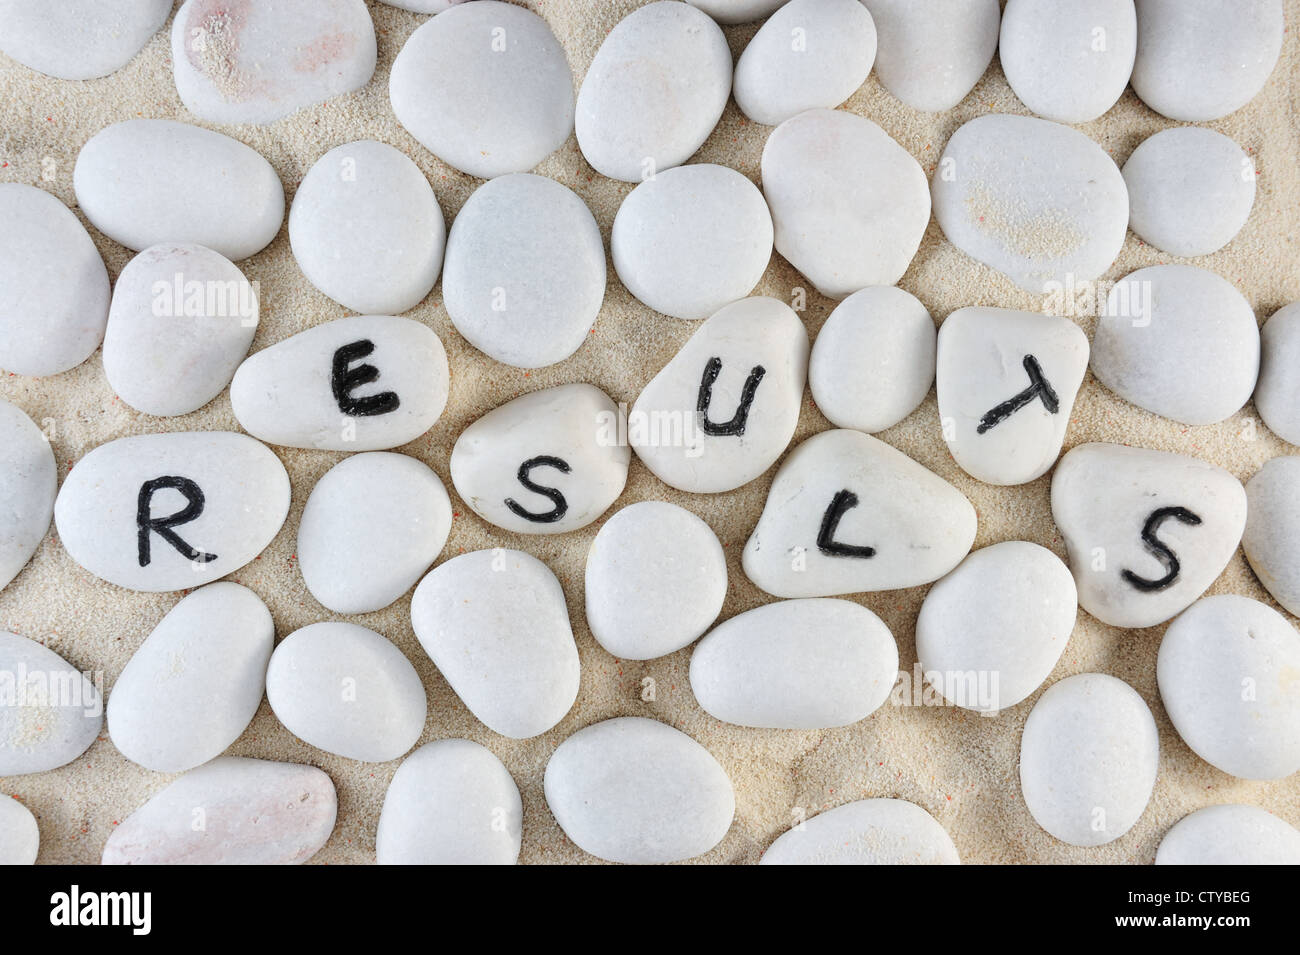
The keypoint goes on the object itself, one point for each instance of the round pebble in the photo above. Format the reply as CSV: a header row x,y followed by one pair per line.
x,y
20,837
53,716
737,11
1277,393
930,55
866,832
1272,538
79,41
1230,834
28,479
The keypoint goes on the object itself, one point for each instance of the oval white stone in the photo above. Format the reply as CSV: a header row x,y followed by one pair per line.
x,y
1230,834
255,812
736,11
28,480
450,803
1272,537
347,690
147,181
20,837
1088,759
367,230
654,91
313,390
525,271
866,832
244,493
930,55
78,40
1277,393
638,791
196,682
40,732
797,664
495,624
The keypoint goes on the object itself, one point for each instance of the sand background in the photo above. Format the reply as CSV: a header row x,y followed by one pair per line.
x,y
960,767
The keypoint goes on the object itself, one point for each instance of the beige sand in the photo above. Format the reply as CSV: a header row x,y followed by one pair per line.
x,y
960,767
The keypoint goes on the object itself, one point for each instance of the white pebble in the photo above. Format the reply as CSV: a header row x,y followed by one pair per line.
x,y
866,832
1230,834
736,11
1272,538
1277,393
20,837
28,479
55,712
931,54
423,6
74,40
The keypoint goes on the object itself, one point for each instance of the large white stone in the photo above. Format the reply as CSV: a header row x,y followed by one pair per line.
x,y
28,481
1230,834
930,55
736,11
50,712
1277,393
866,832
78,39
1272,537
20,837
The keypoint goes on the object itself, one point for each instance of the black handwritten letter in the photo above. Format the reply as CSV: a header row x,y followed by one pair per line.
x,y
1160,550
842,501
162,526
346,379
736,426
561,505
1039,387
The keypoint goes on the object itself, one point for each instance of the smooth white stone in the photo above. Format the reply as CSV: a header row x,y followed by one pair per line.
x,y
20,837
423,6
1228,669
372,525
992,631
286,394
52,713
563,441
240,61
1203,59
450,803
982,364
525,272
654,91
1178,341
759,337
367,230
245,499
736,11
495,624
1190,190
812,54
1039,202
28,481
656,579
347,690
485,87
692,239
1230,834
195,683
849,203
75,39
1277,393
866,832
873,361
1104,496
146,181
1272,537
1088,759
1068,61
918,525
638,791
255,812
931,54
53,285
181,321
796,664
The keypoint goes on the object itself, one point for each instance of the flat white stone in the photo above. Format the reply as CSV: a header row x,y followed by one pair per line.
x,y
796,664
367,230
931,54
256,62
725,407
637,791
195,683
1068,61
812,54
146,181
525,272
849,203
873,361
1272,537
28,481
76,40
1190,190
1277,393
1037,201
347,690
495,624
450,803
1227,670
181,321
692,239
1147,531
992,631
20,837
372,525
1230,834
866,832
1201,59
736,11
1088,759
1178,341
52,711
254,812
654,91
364,383
656,579
485,87
1006,384
159,512
848,513
53,285
547,462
